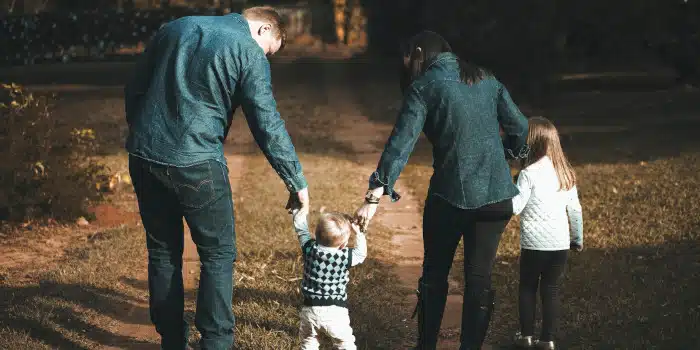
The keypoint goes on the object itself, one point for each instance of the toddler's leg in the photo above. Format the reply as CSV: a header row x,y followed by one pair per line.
x,y
308,328
336,323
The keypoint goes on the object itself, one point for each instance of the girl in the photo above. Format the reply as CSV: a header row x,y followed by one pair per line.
x,y
548,193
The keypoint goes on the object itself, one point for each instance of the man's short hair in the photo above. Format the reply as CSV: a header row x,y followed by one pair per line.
x,y
268,14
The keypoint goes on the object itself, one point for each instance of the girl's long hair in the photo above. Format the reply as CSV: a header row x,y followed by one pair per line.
x,y
543,140
421,49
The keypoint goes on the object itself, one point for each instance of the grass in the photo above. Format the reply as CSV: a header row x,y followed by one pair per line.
x,y
269,264
633,286
77,302
74,304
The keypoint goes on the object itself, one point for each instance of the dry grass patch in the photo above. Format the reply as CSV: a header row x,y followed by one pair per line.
x,y
635,284
267,296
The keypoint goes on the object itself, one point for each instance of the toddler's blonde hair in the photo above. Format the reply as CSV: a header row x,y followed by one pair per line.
x,y
333,229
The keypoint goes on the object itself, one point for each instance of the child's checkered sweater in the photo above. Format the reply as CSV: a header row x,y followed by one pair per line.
x,y
326,270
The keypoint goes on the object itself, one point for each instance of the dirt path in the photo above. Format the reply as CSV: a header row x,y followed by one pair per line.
x,y
140,329
366,138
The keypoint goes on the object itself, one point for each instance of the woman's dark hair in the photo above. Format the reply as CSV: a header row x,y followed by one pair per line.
x,y
423,48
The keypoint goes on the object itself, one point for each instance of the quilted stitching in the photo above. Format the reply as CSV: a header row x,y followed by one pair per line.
x,y
544,220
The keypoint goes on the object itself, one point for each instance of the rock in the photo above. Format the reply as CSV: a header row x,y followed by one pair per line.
x,y
82,222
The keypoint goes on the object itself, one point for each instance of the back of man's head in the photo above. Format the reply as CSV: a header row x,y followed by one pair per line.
x,y
266,15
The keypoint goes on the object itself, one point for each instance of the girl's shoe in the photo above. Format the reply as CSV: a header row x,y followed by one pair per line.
x,y
545,345
525,342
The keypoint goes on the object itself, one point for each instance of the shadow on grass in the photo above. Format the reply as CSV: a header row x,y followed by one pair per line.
x,y
632,144
627,298
47,311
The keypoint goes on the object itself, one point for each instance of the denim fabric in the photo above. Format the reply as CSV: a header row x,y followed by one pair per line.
x,y
462,123
201,194
193,75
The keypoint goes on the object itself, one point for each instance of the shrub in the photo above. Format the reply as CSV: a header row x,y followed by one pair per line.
x,y
48,168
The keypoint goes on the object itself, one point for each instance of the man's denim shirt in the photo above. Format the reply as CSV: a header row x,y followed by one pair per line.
x,y
462,123
189,81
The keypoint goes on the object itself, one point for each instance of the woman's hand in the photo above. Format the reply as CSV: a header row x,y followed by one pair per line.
x,y
364,215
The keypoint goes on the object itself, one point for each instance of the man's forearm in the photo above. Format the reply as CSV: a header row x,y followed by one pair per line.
x,y
266,124
276,145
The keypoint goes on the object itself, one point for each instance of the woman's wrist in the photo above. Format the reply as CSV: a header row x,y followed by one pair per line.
x,y
373,196
377,191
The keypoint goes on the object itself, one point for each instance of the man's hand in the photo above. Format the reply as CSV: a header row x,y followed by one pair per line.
x,y
364,215
298,201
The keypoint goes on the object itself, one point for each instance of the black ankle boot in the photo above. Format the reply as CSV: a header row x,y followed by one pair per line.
x,y
476,317
429,309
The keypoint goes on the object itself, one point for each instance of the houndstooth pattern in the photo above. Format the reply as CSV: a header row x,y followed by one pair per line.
x,y
544,221
326,275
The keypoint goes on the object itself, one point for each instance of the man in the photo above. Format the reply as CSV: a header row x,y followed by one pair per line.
x,y
191,78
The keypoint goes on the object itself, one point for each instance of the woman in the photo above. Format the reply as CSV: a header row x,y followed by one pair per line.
x,y
459,107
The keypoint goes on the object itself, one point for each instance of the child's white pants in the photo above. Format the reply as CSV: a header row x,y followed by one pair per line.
x,y
334,321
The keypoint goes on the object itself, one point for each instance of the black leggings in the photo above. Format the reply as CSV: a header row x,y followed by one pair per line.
x,y
444,226
543,269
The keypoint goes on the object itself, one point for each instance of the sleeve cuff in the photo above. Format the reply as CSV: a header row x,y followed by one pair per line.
x,y
296,183
375,182
522,154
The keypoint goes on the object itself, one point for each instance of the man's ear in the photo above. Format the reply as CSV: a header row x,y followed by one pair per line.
x,y
417,63
419,53
267,27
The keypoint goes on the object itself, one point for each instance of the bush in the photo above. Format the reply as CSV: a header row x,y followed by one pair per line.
x,y
48,168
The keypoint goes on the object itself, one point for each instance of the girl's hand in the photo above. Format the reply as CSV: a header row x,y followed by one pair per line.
x,y
576,247
364,215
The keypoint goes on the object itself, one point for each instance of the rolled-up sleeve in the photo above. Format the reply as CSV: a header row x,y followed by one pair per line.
x,y
266,124
404,136
514,125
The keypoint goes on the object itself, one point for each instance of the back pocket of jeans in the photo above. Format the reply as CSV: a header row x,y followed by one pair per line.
x,y
194,185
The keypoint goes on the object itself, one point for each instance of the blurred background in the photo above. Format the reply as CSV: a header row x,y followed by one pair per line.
x,y
619,79
529,40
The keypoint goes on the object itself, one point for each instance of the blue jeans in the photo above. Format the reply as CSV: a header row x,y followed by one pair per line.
x,y
201,194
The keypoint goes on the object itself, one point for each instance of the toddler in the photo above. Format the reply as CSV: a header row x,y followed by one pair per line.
x,y
327,263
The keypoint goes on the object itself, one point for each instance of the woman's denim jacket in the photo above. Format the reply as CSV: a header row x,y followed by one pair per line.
x,y
461,122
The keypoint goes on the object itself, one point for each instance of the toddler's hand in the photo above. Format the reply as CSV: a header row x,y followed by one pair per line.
x,y
576,247
299,215
355,227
